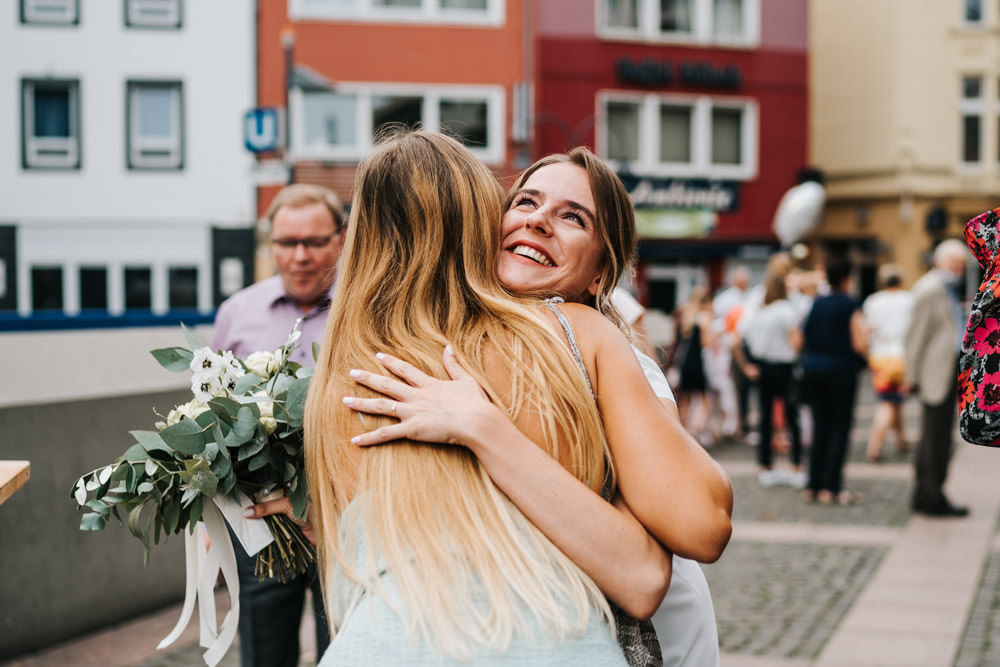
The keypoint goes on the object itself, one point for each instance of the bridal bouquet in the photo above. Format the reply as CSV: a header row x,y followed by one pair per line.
x,y
239,437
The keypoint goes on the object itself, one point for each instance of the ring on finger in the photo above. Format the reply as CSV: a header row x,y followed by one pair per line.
x,y
394,408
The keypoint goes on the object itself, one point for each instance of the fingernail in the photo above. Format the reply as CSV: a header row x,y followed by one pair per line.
x,y
356,439
448,350
248,513
348,400
354,373
380,356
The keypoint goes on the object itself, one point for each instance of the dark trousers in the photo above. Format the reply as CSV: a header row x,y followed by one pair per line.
x,y
743,387
776,381
831,399
270,615
934,451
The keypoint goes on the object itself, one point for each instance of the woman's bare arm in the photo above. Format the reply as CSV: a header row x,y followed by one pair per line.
x,y
606,541
672,485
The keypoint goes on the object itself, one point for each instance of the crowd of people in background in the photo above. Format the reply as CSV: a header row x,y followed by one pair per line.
x,y
800,338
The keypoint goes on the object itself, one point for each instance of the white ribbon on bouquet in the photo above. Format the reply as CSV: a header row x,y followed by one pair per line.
x,y
203,567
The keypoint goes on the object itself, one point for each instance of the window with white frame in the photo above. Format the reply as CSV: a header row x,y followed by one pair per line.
x,y
471,12
155,132
342,124
153,13
972,12
726,22
50,124
972,106
50,11
674,135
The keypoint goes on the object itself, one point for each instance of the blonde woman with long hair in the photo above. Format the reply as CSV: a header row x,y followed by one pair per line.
x,y
668,480
425,560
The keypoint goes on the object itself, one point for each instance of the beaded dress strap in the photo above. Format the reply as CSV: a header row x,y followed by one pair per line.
x,y
553,305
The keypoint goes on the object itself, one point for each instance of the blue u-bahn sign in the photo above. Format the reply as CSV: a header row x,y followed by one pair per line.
x,y
263,130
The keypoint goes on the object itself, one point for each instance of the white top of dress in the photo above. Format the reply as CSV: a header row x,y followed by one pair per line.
x,y
626,304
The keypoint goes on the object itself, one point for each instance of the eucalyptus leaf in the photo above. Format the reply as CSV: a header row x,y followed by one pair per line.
x,y
191,338
224,408
145,487
299,496
247,382
211,450
195,511
205,482
99,507
188,496
221,466
173,358
186,437
171,516
280,384
296,402
258,461
135,453
135,527
249,449
91,521
151,441
315,351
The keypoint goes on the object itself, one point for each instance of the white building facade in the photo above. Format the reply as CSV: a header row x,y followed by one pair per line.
x,y
128,193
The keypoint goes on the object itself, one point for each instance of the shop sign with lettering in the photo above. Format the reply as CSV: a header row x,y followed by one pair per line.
x,y
690,193
652,72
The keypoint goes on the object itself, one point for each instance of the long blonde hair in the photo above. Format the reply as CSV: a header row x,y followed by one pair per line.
x,y
419,271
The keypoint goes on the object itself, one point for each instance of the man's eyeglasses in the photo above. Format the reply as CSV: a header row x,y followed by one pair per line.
x,y
311,243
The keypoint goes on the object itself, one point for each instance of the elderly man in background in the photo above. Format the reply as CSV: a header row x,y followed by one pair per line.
x,y
307,236
932,343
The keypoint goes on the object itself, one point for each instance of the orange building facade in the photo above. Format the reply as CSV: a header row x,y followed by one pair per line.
x,y
348,68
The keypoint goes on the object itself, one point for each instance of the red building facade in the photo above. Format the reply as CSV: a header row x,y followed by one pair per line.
x,y
701,106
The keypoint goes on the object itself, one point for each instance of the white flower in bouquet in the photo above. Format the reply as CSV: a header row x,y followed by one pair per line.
x,y
206,387
189,410
231,371
266,418
206,362
264,363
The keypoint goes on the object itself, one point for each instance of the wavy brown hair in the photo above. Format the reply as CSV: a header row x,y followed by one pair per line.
x,y
419,272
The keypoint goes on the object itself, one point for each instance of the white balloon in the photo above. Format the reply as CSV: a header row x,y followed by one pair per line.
x,y
799,212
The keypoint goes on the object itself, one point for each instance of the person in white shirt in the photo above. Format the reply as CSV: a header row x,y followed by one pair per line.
x,y
887,313
774,338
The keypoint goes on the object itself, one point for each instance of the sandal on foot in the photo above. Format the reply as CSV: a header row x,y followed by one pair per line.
x,y
848,498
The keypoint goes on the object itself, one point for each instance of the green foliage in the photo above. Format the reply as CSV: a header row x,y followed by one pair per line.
x,y
230,443
175,359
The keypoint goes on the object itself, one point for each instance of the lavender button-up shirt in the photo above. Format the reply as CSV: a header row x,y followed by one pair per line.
x,y
260,317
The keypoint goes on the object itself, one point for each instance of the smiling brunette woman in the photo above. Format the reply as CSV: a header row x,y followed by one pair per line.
x,y
569,231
